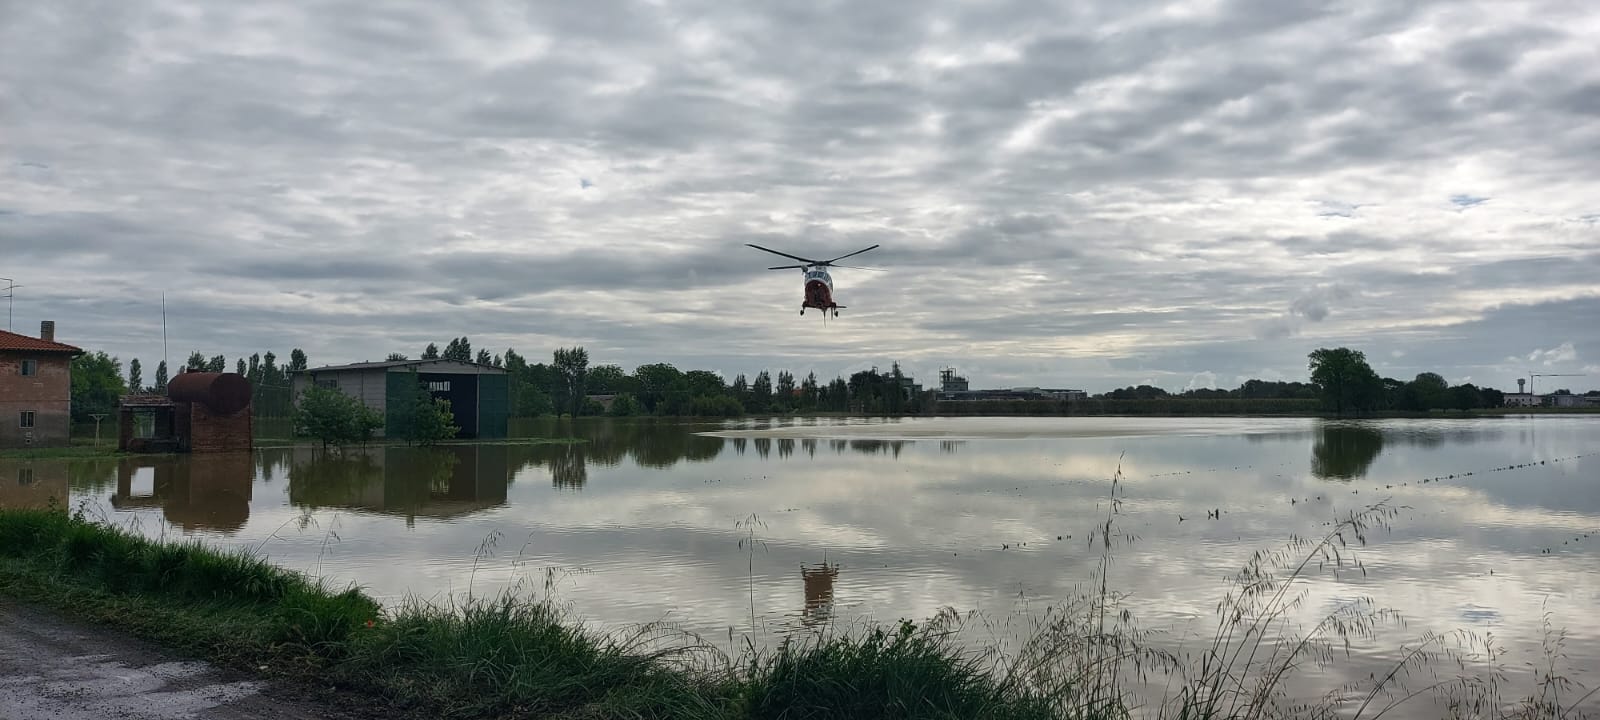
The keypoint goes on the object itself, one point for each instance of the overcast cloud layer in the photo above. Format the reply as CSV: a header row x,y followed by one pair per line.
x,y
1085,194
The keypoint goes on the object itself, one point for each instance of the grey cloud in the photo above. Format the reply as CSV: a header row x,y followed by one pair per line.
x,y
550,173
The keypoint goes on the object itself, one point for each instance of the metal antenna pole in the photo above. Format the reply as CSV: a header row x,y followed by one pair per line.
x,y
11,302
164,358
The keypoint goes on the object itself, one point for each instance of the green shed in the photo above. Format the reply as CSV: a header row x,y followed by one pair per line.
x,y
479,395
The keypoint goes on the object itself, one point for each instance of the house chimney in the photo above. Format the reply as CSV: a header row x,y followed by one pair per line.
x,y
47,331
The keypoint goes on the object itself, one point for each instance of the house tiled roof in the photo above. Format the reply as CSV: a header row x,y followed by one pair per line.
x,y
13,341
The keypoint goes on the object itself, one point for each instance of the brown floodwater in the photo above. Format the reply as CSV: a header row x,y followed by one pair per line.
x,y
765,528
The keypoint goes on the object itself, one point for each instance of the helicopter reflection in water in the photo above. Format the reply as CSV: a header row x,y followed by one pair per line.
x,y
818,580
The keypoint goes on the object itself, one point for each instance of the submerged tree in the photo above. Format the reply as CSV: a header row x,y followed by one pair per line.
x,y
334,417
419,418
572,365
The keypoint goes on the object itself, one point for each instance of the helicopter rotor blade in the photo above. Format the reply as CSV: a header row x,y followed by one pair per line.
x,y
787,255
858,252
856,267
789,267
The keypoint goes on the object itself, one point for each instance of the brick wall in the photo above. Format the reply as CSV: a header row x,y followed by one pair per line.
x,y
213,433
47,394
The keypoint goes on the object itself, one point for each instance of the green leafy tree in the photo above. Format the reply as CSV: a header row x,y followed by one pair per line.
x,y
334,417
196,362
161,378
608,379
810,393
396,357
253,373
760,393
297,360
459,350
217,364
238,366
1344,380
655,382
96,385
135,376
1428,391
419,418
786,399
431,352
572,366
484,358
625,405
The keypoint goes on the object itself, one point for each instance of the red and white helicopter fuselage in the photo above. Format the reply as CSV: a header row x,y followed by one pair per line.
x,y
818,283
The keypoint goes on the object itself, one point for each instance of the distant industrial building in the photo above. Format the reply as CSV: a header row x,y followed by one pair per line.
x,y
35,389
955,387
479,395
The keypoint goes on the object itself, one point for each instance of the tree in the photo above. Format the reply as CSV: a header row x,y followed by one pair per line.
x,y
334,417
196,362
217,364
419,418
297,359
396,357
1344,380
655,382
431,352
625,405
1428,391
96,385
238,367
786,399
161,377
607,379
809,392
760,393
253,374
572,366
484,358
459,350
135,377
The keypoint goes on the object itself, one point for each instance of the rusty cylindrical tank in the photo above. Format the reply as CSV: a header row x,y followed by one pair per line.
x,y
221,393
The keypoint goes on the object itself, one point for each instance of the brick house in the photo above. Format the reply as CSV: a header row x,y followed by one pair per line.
x,y
35,389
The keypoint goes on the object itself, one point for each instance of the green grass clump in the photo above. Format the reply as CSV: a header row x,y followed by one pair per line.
x,y
908,673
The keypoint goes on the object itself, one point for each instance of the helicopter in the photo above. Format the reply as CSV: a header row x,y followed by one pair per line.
x,y
819,285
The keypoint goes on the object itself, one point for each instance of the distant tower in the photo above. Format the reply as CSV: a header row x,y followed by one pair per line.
x,y
1522,386
949,381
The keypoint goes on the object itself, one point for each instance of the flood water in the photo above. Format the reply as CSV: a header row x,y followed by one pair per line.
x,y
811,522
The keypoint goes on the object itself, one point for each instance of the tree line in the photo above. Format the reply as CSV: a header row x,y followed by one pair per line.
x,y
98,382
565,386
1347,384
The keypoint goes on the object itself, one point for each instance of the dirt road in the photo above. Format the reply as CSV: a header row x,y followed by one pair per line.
x,y
56,669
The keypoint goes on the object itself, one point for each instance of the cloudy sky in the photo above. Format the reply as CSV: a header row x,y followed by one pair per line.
x,y
1086,194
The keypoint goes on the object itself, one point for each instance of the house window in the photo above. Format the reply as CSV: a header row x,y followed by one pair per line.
x,y
27,419
329,384
30,367
439,386
24,476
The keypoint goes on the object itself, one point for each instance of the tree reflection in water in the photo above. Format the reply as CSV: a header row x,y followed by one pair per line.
x,y
1344,451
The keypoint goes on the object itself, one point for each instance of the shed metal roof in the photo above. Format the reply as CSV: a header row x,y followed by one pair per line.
x,y
394,364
